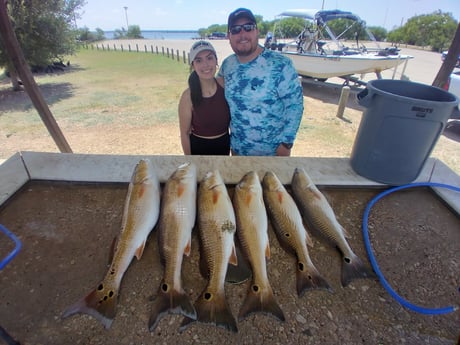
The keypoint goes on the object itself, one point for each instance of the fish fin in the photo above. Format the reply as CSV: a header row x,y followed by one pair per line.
x,y
140,251
112,250
345,232
188,247
353,268
170,301
267,251
233,256
308,239
214,309
260,299
101,303
239,273
185,324
308,278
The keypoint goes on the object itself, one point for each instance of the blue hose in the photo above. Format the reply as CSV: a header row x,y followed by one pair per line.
x,y
15,251
375,266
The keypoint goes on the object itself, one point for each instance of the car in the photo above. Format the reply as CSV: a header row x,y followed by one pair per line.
x,y
217,36
444,55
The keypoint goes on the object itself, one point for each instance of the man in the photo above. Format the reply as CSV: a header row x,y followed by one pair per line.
x,y
263,91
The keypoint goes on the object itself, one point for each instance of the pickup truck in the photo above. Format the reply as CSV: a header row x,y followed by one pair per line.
x,y
453,86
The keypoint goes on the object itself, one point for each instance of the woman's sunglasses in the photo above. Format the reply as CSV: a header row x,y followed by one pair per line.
x,y
236,29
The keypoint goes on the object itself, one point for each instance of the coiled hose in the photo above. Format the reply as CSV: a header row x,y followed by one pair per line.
x,y
375,266
15,251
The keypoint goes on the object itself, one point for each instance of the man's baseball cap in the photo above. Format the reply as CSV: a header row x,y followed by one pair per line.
x,y
240,13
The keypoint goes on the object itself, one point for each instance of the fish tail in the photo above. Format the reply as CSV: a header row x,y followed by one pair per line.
x,y
260,299
308,278
170,301
353,268
213,308
101,303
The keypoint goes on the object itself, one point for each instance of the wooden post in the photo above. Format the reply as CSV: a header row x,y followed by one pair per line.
x,y
178,56
343,101
449,63
16,56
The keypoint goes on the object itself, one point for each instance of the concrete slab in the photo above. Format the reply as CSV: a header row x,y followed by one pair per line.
x,y
118,168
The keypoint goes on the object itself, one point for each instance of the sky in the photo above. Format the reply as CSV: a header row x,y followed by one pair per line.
x,y
195,14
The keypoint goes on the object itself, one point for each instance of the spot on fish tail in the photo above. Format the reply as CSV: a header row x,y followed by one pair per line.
x,y
100,287
301,266
346,259
208,296
164,287
255,288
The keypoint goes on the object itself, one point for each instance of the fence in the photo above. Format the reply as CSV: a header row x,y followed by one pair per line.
x,y
170,53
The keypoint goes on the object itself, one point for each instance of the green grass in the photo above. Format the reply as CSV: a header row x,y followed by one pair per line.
x,y
107,87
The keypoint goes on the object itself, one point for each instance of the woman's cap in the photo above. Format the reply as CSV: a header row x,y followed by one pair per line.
x,y
198,47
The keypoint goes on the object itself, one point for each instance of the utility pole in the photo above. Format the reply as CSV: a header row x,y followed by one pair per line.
x,y
126,15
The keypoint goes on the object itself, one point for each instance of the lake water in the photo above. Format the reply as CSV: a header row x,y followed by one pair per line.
x,y
162,34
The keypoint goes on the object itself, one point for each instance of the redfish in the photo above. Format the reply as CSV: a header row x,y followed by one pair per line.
x,y
288,226
319,215
141,211
177,218
217,226
252,231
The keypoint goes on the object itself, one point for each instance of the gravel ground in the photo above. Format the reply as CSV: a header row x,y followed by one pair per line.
x,y
66,251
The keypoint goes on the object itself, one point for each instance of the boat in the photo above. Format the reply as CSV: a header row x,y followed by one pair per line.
x,y
319,53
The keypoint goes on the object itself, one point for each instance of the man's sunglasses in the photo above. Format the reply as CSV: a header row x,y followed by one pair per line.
x,y
236,29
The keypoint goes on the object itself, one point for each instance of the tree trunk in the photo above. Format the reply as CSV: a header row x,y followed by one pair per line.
x,y
14,78
449,63
16,56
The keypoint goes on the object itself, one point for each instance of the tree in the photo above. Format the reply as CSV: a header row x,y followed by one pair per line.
x,y
435,30
450,61
289,27
134,31
379,33
84,35
45,30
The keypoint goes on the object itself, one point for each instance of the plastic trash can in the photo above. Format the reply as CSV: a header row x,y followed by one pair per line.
x,y
399,128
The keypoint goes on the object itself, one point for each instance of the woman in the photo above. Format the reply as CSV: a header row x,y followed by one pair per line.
x,y
204,115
